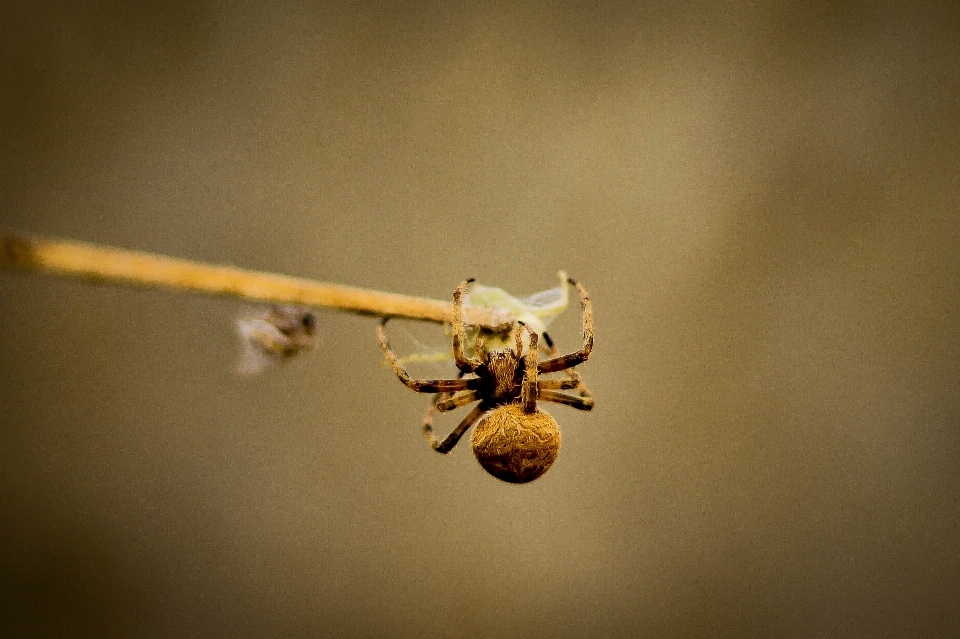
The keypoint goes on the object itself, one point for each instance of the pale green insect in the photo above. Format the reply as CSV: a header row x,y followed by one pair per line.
x,y
536,311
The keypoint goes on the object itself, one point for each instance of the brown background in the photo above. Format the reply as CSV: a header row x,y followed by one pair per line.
x,y
763,201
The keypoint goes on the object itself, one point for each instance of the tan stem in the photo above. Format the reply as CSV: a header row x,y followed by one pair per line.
x,y
134,268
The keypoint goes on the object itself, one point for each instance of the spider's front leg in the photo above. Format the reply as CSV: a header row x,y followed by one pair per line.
x,y
578,357
420,385
530,390
464,363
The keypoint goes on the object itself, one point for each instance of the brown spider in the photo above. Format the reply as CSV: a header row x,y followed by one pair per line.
x,y
516,442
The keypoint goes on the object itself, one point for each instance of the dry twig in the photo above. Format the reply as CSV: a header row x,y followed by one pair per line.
x,y
134,268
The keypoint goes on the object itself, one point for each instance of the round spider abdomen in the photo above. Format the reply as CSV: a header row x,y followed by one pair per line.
x,y
516,446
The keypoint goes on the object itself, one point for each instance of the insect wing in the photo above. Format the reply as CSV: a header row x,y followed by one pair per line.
x,y
536,311
424,350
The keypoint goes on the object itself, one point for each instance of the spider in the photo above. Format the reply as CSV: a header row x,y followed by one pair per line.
x,y
515,441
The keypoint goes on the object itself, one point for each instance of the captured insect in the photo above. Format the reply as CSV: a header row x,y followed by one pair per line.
x,y
277,334
514,440
536,311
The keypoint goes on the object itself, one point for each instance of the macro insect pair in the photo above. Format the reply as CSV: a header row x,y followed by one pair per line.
x,y
514,440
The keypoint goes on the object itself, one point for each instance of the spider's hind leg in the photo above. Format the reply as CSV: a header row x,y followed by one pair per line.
x,y
428,417
443,402
580,403
451,440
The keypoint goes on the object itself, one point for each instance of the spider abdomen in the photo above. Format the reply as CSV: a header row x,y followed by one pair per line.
x,y
516,446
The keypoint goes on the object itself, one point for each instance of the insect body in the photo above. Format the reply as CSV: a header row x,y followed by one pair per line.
x,y
515,441
277,334
536,311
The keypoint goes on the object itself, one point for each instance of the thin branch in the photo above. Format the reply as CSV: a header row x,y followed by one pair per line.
x,y
134,268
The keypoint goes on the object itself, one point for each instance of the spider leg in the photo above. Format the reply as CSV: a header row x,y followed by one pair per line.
x,y
518,339
578,357
585,394
580,403
456,401
448,402
420,385
464,363
559,384
428,416
548,346
551,351
530,388
478,346
439,397
447,444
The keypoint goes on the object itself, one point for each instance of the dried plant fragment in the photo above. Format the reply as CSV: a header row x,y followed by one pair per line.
x,y
278,334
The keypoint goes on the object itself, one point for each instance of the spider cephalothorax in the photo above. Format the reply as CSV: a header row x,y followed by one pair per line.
x,y
516,441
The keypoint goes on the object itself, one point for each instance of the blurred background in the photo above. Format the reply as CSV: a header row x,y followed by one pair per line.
x,y
762,199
